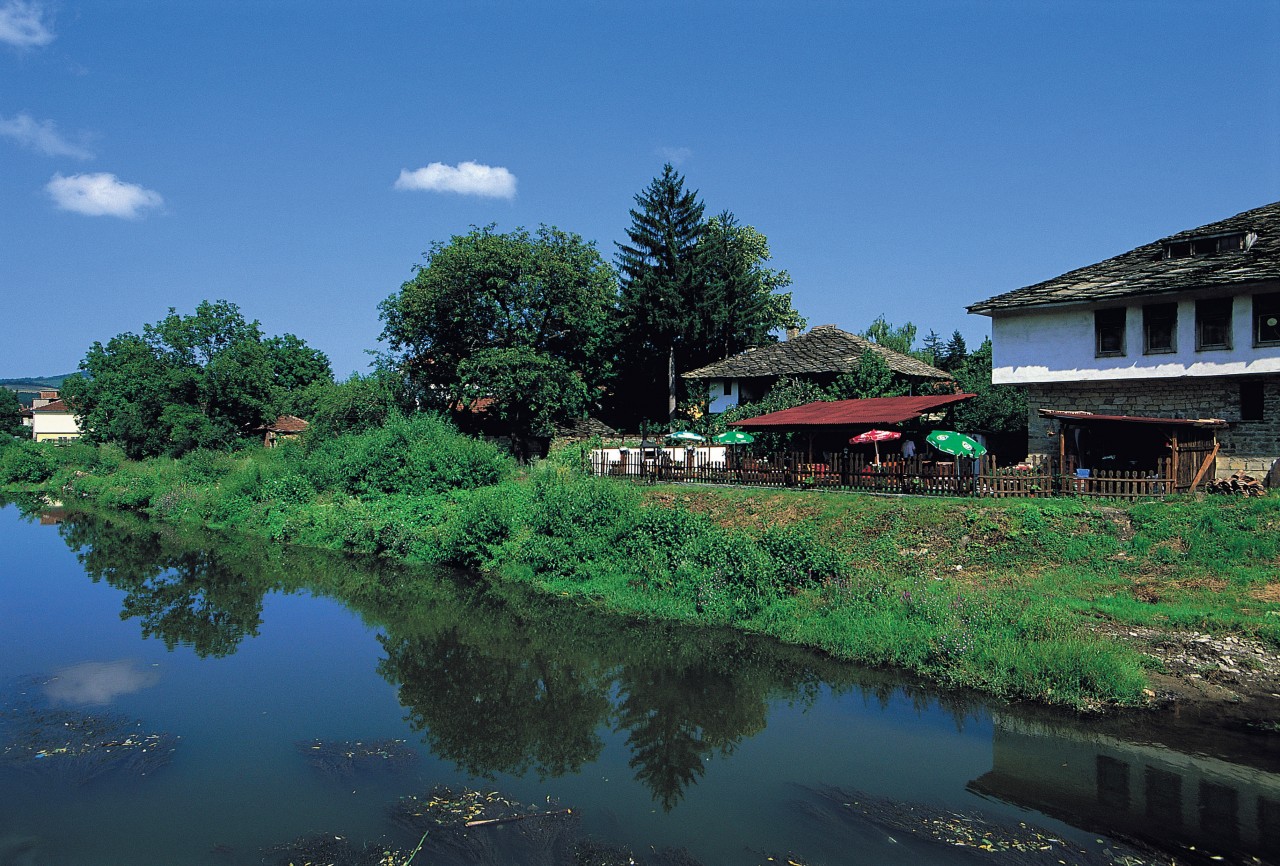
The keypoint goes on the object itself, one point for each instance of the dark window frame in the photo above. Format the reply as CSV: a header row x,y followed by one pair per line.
x,y
1111,322
1206,246
1253,400
1208,313
1266,305
1158,314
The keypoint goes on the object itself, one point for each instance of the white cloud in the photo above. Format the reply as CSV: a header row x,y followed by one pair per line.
x,y
98,682
41,136
467,178
22,24
101,194
677,156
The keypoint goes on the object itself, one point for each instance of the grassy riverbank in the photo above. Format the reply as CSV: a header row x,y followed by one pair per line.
x,y
1004,597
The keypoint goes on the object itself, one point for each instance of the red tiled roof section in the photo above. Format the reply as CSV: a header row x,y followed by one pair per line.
x,y
851,413
55,406
287,424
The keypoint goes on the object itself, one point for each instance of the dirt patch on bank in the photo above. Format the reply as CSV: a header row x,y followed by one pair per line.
x,y
1196,668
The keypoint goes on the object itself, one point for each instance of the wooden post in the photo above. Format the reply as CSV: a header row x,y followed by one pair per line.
x,y
1062,456
1173,453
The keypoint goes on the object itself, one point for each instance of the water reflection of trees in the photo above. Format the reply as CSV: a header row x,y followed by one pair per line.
x,y
498,679
190,596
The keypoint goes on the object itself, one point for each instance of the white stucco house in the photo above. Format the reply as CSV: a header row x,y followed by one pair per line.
x,y
1182,329
54,422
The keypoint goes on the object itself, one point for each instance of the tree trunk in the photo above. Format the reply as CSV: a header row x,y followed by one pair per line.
x,y
671,382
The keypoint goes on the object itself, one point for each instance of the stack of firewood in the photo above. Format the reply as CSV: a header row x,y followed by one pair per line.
x,y
1239,484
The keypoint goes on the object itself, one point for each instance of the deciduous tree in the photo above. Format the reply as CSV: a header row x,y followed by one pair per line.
x,y
10,414
505,305
189,381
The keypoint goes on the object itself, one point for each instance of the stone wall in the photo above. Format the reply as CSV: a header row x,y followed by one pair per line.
x,y
1251,446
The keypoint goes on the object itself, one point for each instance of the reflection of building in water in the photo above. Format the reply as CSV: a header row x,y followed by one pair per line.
x,y
1145,791
53,515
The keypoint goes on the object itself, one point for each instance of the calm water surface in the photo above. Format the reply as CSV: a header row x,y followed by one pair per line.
x,y
725,750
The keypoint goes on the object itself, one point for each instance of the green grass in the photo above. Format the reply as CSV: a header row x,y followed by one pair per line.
x,y
998,596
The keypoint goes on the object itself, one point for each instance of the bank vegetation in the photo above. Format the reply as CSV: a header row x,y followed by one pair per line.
x,y
1012,598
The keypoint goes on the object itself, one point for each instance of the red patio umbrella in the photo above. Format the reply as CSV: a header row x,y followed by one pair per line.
x,y
875,437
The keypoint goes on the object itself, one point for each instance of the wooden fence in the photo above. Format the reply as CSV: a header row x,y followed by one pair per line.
x,y
918,475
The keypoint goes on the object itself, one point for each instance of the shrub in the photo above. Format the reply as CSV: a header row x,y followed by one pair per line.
x,y
420,454
480,524
27,463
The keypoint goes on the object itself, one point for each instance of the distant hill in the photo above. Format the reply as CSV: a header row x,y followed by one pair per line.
x,y
29,389
34,383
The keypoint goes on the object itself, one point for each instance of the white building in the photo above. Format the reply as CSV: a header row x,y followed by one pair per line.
x,y
1186,327
54,422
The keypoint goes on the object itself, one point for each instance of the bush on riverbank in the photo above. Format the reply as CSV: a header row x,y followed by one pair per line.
x,y
998,596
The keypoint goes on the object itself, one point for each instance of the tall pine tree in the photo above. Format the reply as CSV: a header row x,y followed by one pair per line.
x,y
659,304
743,303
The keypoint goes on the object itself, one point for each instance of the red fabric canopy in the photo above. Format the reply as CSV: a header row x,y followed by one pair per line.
x,y
875,436
851,413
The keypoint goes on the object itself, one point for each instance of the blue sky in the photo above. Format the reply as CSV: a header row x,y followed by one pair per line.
x,y
904,159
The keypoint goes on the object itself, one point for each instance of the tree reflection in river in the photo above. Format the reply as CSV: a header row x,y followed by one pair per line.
x,y
501,707
181,595
499,679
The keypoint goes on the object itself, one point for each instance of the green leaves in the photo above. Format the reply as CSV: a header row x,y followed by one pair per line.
x,y
519,320
189,381
10,417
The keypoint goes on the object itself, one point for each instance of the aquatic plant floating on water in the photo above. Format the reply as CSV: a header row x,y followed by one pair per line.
x,y
346,758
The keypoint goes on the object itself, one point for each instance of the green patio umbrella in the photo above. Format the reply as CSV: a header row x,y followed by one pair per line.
x,y
733,437
686,436
958,444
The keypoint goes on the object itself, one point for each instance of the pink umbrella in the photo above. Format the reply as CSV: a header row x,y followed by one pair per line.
x,y
875,437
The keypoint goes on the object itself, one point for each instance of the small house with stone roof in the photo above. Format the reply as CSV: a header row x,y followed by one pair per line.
x,y
819,356
1172,339
284,428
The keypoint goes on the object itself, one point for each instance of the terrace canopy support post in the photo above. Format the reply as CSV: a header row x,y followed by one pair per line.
x,y
1062,457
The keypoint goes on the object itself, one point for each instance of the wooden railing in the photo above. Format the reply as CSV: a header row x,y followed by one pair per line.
x,y
917,475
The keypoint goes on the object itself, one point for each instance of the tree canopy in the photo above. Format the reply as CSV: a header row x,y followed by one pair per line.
x,y
10,414
189,381
998,408
693,291
490,314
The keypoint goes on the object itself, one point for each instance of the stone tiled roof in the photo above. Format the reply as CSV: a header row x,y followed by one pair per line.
x,y
824,349
1145,270
286,424
584,428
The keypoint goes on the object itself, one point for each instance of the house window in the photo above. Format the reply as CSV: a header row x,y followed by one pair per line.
x,y
1266,320
728,387
1207,246
1251,400
1108,326
1159,328
1213,324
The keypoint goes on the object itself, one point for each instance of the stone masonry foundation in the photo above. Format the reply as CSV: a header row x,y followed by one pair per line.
x,y
1252,446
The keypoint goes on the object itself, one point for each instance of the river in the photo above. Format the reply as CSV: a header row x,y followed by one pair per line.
x,y
170,699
